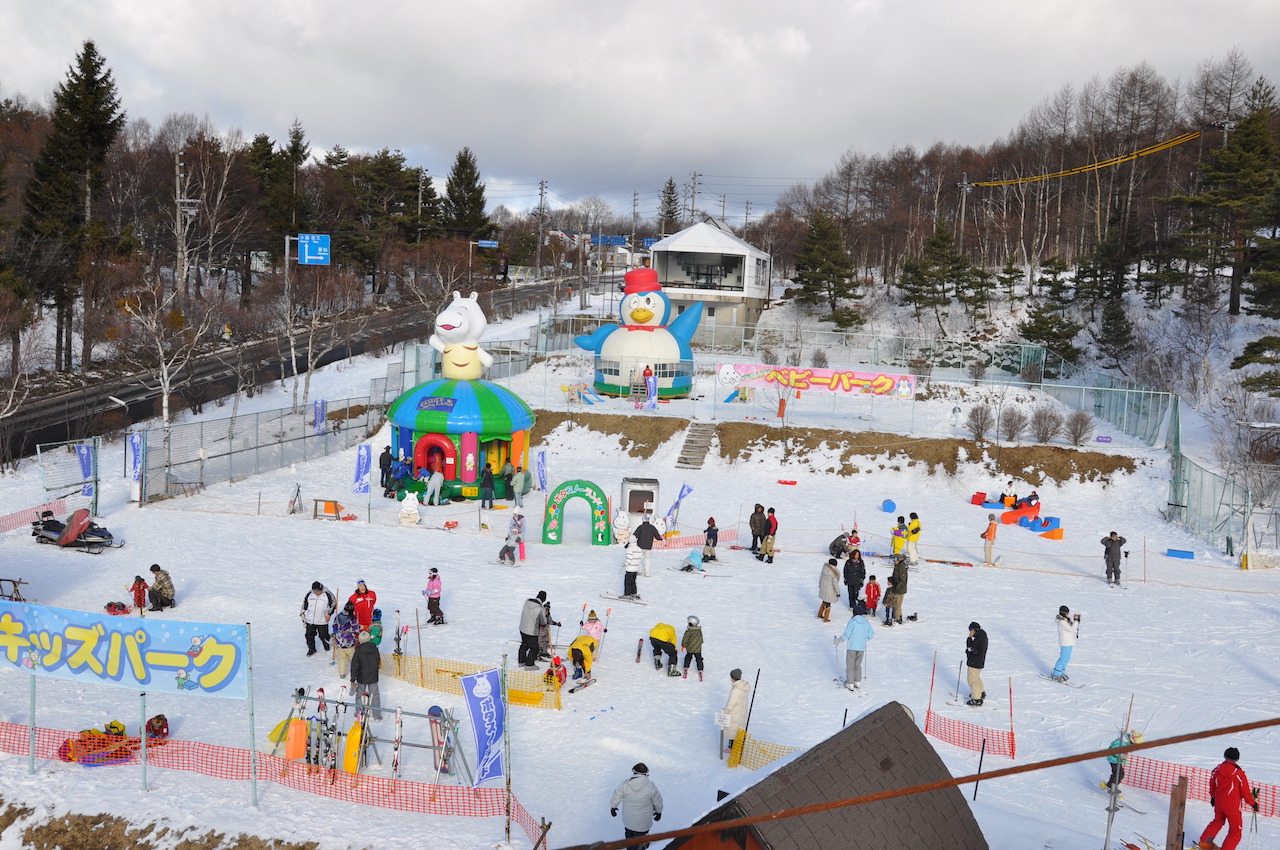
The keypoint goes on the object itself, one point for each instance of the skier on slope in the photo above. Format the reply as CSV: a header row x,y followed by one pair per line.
x,y
1119,760
691,643
592,625
432,592
975,658
712,538
662,637
856,633
1228,791
631,568
1112,548
1068,631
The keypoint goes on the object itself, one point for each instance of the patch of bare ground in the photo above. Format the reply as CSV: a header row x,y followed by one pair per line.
x,y
108,832
639,435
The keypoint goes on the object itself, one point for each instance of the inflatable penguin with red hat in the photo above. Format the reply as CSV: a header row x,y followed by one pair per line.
x,y
644,339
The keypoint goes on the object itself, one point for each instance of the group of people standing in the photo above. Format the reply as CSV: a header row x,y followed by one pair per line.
x,y
764,530
395,473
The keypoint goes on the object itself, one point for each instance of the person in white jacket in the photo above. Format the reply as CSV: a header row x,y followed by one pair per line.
x,y
736,707
1068,631
640,802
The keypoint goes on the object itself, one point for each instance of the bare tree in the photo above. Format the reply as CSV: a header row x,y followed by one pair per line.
x,y
1012,423
1046,423
978,369
1078,428
980,420
442,268
335,315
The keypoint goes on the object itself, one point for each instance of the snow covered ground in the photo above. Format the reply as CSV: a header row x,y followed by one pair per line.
x,y
1188,644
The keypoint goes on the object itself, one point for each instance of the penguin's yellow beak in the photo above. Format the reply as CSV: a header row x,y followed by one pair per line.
x,y
640,315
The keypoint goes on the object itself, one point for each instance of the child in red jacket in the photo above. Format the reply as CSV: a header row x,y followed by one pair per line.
x,y
873,595
139,591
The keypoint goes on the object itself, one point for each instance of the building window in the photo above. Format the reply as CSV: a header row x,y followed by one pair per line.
x,y
711,312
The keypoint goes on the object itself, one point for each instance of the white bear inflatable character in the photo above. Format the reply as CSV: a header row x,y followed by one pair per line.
x,y
457,338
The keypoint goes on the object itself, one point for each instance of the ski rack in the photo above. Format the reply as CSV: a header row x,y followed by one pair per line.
x,y
447,753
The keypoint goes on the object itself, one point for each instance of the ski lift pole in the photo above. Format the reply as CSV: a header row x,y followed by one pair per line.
x,y
600,646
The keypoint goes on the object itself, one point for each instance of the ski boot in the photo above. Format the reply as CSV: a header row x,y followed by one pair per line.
x,y
657,663
974,702
577,671
673,671
686,673
699,675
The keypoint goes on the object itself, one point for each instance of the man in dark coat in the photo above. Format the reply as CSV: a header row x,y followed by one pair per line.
x,y
384,465
855,573
758,522
975,658
645,536
1113,547
900,582
486,487
533,616
364,672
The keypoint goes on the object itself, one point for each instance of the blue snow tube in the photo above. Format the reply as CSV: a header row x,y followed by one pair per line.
x,y
888,506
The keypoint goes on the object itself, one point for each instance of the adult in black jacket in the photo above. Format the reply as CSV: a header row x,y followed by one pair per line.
x,y
900,582
758,522
645,536
1112,548
486,487
975,658
364,673
384,465
855,573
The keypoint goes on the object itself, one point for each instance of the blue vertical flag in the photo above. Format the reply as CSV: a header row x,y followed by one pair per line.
x,y
85,455
542,470
135,457
364,463
483,692
320,408
651,390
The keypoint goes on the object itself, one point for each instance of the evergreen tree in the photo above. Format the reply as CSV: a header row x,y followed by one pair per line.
x,y
1263,282
65,179
464,204
1009,277
927,283
823,269
1239,178
976,287
1053,277
1114,337
1046,326
1263,351
669,208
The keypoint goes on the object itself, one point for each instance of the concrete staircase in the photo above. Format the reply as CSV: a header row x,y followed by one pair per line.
x,y
696,443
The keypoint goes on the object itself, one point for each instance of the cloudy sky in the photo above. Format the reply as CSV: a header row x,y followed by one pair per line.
x,y
610,98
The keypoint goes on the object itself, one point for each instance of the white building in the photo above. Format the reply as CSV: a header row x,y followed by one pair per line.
x,y
707,263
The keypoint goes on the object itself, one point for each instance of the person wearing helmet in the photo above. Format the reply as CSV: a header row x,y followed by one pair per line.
x,y
432,592
691,643
1068,631
1118,760
375,628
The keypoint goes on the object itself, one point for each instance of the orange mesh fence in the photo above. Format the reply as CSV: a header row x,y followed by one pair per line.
x,y
524,687
235,764
25,517
1160,776
688,541
1000,742
752,753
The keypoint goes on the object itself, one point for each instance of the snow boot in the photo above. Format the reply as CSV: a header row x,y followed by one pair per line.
x,y
769,560
673,671
577,671
699,675
974,702
657,663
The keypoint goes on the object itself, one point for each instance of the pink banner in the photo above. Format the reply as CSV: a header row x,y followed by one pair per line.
x,y
734,376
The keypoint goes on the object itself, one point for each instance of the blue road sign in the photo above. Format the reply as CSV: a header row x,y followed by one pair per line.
x,y
313,249
488,243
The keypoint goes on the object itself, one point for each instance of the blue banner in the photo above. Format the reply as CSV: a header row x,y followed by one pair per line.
x,y
85,455
135,457
483,692
685,490
124,652
542,470
364,463
321,410
651,390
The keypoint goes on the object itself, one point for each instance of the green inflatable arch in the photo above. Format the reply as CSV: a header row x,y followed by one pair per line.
x,y
552,527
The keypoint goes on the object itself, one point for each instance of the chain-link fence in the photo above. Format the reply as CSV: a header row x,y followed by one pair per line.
x,y
197,454
69,471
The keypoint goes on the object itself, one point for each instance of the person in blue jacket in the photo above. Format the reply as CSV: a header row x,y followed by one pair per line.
x,y
856,634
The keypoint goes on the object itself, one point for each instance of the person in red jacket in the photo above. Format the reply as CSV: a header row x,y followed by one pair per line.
x,y
365,601
1228,790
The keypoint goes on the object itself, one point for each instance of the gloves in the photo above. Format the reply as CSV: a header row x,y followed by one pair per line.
x,y
658,815
613,813
1212,804
836,640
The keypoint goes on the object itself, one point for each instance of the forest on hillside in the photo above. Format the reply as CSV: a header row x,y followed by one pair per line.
x,y
1103,208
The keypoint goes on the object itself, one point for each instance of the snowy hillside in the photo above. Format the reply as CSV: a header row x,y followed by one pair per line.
x,y
1185,639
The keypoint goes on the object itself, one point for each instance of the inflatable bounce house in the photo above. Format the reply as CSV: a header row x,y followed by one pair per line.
x,y
646,338
458,423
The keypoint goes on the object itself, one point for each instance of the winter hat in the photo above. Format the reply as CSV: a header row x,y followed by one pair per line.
x,y
770,510
694,621
735,674
913,515
542,596
377,613
1232,754
364,637
873,578
433,571
591,615
974,626
349,607
902,519
1063,610
556,661
155,568
315,585
641,768
711,520
360,582
1136,737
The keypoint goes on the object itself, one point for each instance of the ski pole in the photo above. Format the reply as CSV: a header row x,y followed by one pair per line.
x,y
958,672
600,647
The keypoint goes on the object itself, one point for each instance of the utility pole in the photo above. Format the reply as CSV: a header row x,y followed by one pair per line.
x,y
722,203
635,222
183,209
965,188
746,218
693,196
422,182
541,215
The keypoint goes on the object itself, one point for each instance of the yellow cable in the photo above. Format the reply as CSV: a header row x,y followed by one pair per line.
x,y
1106,163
